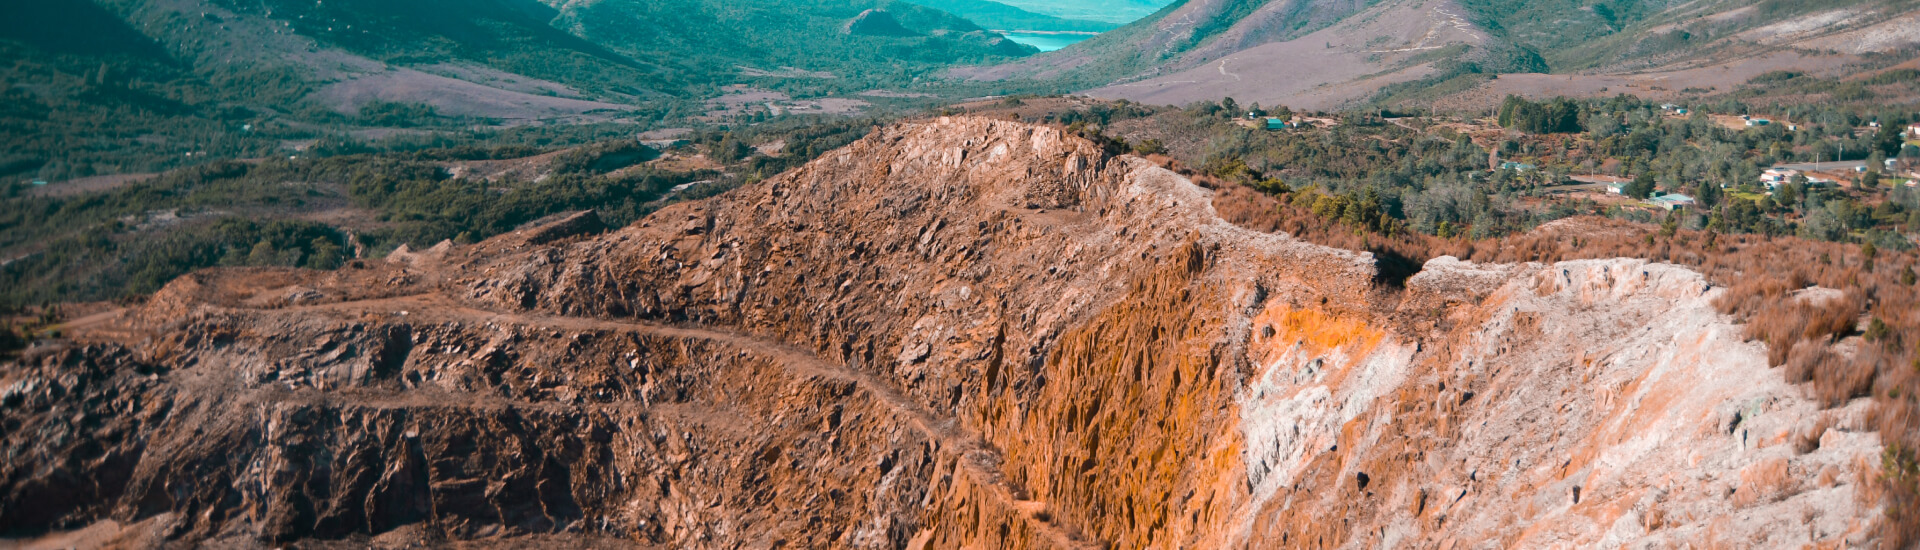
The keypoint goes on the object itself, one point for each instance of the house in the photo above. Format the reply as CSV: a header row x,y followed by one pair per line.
x,y
1517,166
1277,124
1616,188
1776,177
1913,131
1672,201
1758,122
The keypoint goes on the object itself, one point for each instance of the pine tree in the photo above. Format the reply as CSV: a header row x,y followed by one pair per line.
x,y
1642,186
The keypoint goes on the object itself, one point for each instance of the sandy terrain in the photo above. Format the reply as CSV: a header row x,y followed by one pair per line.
x,y
1897,32
522,169
743,100
1657,85
495,78
783,72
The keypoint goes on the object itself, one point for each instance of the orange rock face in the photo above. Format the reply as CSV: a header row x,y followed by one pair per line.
x,y
959,333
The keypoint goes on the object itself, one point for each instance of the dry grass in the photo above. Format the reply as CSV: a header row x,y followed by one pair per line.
x,y
1767,481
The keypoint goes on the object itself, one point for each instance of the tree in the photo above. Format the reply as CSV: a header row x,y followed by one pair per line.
x,y
10,340
1642,186
1788,195
1558,116
326,255
1888,141
263,254
1709,194
731,149
1150,147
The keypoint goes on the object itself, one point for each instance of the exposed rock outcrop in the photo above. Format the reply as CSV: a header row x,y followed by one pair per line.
x,y
954,333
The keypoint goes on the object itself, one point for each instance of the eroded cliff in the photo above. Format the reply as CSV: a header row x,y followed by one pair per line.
x,y
955,333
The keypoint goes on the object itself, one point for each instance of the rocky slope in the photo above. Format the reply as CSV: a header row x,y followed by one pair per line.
x,y
954,333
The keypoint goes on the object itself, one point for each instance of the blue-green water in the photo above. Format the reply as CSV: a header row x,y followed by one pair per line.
x,y
1046,42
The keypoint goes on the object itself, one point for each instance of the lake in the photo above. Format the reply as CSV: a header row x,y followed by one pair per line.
x,y
1046,42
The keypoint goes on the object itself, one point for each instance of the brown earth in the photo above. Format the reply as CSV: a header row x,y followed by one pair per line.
x,y
955,333
1673,84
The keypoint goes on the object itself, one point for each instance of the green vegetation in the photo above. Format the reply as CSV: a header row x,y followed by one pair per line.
x,y
133,239
68,115
130,87
1558,116
1422,176
706,43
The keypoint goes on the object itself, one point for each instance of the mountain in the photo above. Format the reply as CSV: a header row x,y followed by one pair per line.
x,y
189,80
715,42
954,333
1326,55
999,16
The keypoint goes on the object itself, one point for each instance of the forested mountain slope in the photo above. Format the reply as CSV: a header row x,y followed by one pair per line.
x,y
195,79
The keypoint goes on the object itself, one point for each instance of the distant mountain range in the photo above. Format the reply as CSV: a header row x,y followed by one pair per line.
x,y
618,51
182,78
1334,53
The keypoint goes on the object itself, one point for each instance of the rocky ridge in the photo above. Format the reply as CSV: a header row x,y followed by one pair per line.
x,y
954,333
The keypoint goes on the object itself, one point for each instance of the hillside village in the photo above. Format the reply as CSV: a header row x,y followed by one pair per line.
x,y
1610,183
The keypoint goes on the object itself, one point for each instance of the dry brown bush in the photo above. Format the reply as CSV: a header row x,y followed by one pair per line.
x,y
1808,440
1766,481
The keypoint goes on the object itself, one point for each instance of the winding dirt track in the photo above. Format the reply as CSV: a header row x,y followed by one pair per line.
x,y
981,461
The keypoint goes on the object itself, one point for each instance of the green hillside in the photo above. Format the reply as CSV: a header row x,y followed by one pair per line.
x,y
124,86
710,42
